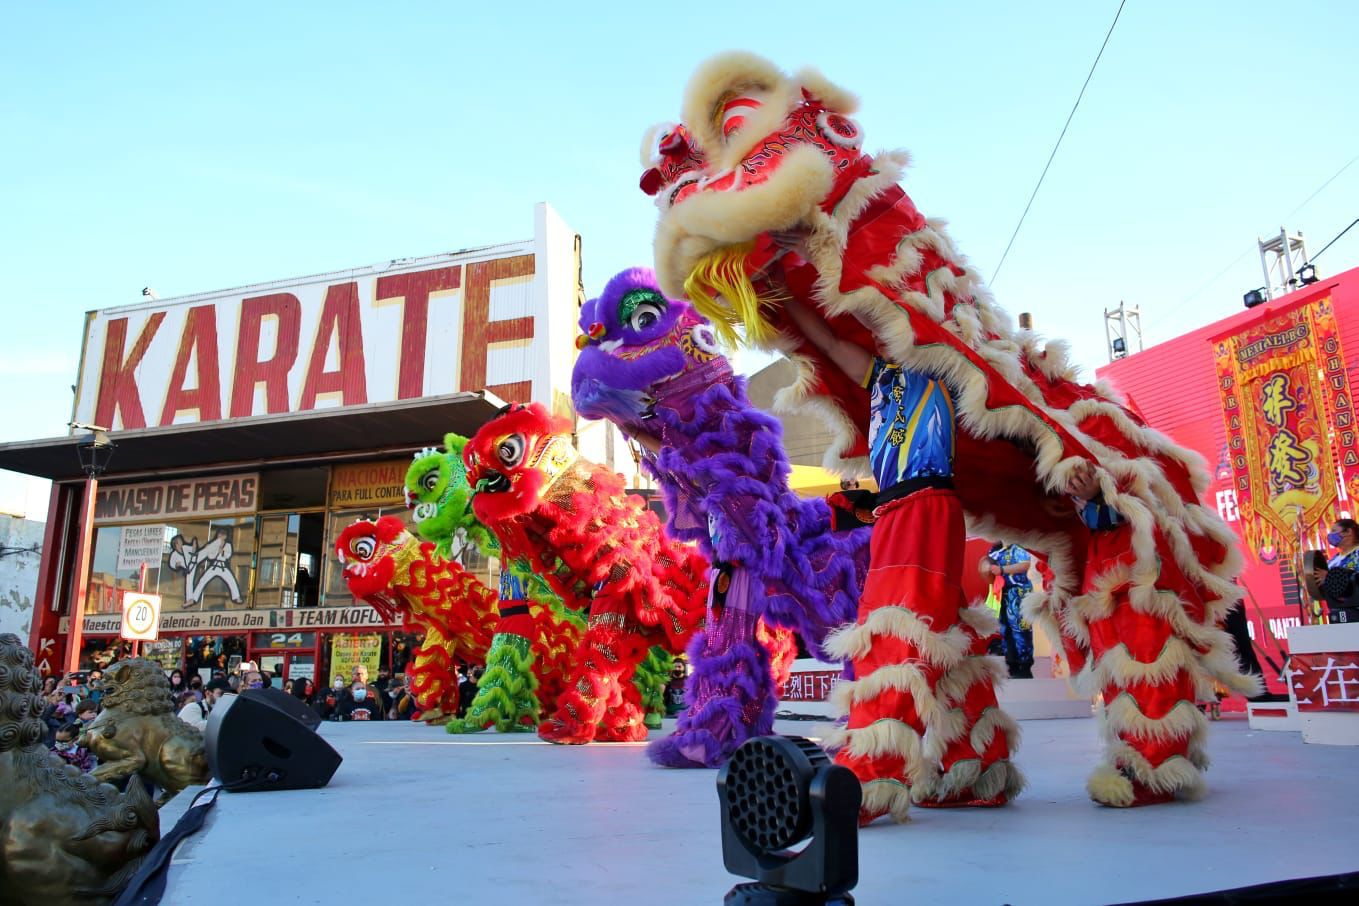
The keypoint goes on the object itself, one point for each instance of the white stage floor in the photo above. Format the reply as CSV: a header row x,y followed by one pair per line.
x,y
417,816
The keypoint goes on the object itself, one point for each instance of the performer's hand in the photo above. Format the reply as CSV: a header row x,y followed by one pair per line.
x,y
788,240
995,570
1057,507
1084,481
647,441
1319,574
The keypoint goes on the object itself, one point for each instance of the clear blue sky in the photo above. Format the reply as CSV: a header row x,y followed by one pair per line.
x,y
190,150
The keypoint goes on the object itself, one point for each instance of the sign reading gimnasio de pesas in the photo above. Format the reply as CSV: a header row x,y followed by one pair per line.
x,y
216,496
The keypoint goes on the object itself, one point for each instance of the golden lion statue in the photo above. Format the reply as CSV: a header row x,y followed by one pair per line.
x,y
139,733
64,836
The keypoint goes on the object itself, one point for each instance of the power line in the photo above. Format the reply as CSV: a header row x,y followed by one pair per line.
x,y
1237,259
1069,116
1333,241
1333,178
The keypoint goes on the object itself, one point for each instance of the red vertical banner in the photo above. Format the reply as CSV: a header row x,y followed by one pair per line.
x,y
1339,399
1284,397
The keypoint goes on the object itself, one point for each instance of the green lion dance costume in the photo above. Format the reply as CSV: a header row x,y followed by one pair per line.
x,y
438,493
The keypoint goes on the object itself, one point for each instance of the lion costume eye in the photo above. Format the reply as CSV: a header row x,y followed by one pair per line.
x,y
430,480
510,450
644,317
363,547
641,309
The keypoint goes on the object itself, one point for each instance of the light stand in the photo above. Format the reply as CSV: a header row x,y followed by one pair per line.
x,y
776,792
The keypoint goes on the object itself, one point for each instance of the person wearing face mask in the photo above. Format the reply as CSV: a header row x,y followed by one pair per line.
x,y
66,748
96,685
253,680
328,705
360,704
1339,580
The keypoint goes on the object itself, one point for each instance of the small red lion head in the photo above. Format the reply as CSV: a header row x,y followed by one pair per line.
x,y
514,459
365,548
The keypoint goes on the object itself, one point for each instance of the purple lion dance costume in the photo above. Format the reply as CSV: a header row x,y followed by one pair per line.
x,y
651,365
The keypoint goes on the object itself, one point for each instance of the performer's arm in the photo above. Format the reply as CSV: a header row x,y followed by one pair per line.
x,y
1095,512
648,441
850,358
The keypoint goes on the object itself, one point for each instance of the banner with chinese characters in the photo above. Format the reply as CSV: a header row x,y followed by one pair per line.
x,y
1290,427
1325,681
809,686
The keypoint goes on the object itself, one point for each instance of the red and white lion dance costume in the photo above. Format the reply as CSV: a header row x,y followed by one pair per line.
x,y
766,195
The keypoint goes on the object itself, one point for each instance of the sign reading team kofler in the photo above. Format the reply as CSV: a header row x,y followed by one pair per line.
x,y
221,495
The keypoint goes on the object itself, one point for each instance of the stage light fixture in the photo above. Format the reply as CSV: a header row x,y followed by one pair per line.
x,y
1120,347
1255,297
1307,274
776,793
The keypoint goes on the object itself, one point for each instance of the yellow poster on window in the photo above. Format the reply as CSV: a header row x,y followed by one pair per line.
x,y
349,649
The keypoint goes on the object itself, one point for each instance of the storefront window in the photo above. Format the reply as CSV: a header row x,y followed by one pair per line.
x,y
198,565
166,652
207,565
98,653
206,653
288,574
286,656
120,551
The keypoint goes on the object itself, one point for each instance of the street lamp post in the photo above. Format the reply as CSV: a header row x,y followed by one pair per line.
x,y
95,451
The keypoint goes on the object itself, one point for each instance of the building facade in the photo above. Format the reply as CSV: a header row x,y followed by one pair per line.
x,y
20,554
252,425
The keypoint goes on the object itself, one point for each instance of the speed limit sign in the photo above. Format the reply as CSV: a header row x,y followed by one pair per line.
x,y
141,616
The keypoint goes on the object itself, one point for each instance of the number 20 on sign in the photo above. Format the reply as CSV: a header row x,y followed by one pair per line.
x,y
141,616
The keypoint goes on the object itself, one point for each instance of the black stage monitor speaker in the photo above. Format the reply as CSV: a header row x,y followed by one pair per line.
x,y
264,739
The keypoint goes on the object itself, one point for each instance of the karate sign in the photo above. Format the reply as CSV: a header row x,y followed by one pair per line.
x,y
141,616
1325,681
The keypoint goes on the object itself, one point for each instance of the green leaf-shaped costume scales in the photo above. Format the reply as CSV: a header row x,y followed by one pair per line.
x,y
507,692
437,489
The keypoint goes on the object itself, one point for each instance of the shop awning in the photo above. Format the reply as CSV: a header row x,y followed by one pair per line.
x,y
323,434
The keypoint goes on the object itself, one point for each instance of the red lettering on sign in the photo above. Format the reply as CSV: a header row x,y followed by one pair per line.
x,y
199,339
479,331
273,372
339,318
117,380
414,290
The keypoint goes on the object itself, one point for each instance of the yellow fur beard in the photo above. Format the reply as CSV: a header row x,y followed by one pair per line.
x,y
721,291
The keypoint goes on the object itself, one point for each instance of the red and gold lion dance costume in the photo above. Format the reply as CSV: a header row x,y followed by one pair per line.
x,y
601,550
766,196
386,567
